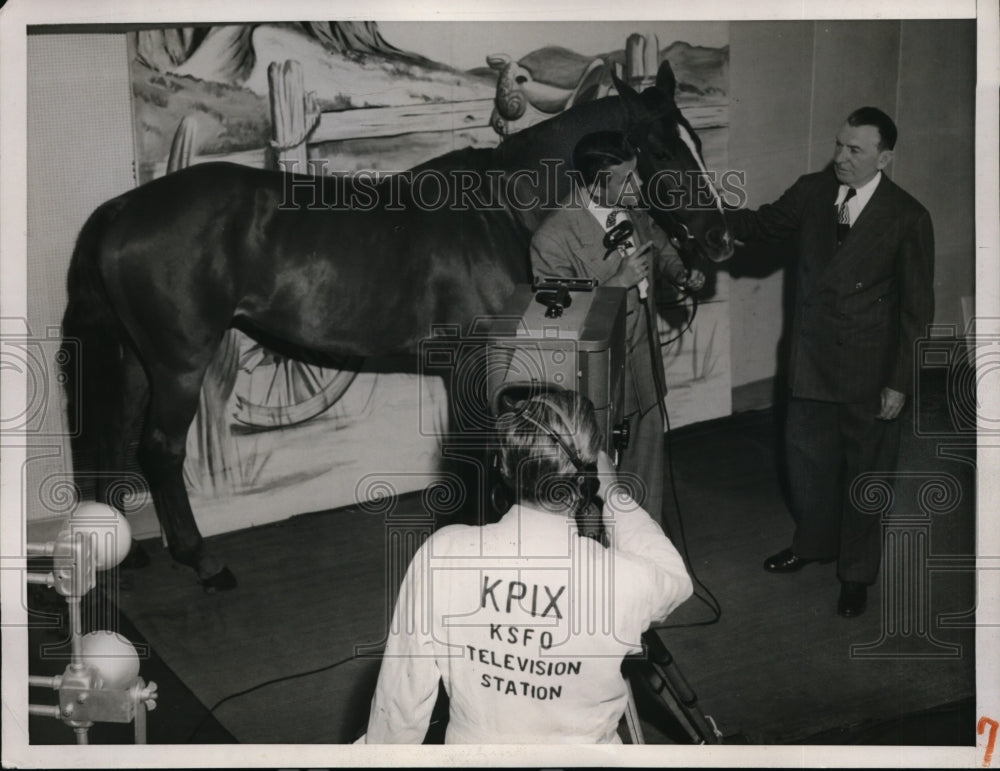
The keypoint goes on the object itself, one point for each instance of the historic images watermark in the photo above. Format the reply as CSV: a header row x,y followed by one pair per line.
x,y
542,612
909,502
494,190
34,365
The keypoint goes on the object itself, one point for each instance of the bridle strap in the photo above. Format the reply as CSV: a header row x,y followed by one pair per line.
x,y
679,242
678,232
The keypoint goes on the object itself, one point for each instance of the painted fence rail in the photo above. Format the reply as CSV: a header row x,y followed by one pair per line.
x,y
376,122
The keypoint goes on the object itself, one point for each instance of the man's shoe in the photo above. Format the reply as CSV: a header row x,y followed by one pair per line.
x,y
853,599
785,561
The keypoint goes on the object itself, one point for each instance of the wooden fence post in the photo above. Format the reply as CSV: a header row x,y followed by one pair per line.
x,y
182,147
651,58
634,51
293,116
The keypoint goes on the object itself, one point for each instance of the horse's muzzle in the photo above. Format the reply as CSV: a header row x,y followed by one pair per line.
x,y
719,244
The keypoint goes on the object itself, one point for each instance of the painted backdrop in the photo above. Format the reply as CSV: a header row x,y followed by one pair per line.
x,y
276,437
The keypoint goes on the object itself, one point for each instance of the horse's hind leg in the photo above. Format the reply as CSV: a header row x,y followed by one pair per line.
x,y
173,403
124,421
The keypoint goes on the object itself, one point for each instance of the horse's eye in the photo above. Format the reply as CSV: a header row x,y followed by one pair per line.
x,y
520,79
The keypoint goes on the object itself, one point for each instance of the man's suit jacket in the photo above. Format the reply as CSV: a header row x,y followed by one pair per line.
x,y
569,243
861,307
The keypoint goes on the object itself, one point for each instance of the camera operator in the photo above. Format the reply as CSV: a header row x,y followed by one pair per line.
x,y
527,620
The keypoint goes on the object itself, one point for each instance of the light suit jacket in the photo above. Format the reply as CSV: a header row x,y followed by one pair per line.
x,y
569,243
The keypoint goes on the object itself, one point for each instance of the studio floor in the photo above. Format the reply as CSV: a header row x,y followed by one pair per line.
x,y
291,655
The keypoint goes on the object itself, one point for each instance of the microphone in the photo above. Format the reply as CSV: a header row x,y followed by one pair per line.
x,y
618,236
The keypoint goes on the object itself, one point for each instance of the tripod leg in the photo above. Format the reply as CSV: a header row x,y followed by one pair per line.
x,y
675,692
660,688
632,717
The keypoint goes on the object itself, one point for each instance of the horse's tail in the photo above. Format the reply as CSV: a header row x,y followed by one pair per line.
x,y
90,357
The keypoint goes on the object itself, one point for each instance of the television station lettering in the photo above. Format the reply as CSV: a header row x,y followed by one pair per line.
x,y
541,601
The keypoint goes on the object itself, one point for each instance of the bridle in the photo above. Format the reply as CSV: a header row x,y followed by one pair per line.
x,y
677,231
680,242
679,235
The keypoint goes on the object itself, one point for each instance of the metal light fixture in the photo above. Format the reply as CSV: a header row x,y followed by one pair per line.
x,y
101,682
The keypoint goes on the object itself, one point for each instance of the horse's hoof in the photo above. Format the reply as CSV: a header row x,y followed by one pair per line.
x,y
222,581
136,558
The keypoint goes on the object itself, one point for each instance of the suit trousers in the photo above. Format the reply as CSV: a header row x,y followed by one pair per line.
x,y
829,445
643,460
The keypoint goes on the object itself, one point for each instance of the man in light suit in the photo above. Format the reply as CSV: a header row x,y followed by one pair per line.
x,y
570,243
864,295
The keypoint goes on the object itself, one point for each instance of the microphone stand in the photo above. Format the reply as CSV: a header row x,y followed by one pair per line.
x,y
658,670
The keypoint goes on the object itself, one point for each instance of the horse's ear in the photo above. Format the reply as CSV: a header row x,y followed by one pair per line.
x,y
631,98
665,80
623,88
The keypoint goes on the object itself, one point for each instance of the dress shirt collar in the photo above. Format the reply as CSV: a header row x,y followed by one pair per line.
x,y
862,196
601,213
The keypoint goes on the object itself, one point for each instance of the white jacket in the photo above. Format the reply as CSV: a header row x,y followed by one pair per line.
x,y
526,622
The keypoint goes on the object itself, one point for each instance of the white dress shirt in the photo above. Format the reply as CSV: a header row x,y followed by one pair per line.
x,y
600,212
862,196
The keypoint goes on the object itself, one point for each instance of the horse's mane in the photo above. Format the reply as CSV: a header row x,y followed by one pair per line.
x,y
554,137
541,147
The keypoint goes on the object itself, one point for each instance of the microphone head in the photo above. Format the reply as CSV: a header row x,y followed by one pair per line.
x,y
618,235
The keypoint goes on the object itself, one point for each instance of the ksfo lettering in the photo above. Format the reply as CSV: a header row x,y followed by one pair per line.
x,y
522,636
517,590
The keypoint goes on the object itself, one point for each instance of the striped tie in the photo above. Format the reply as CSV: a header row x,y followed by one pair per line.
x,y
844,217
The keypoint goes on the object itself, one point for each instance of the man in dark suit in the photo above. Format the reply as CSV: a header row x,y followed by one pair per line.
x,y
570,243
864,295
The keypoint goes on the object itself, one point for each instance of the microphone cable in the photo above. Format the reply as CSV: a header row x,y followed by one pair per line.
x,y
655,351
272,681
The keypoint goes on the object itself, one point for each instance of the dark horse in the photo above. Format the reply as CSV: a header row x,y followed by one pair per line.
x,y
162,271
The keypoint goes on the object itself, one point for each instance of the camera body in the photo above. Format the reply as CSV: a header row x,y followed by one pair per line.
x,y
562,333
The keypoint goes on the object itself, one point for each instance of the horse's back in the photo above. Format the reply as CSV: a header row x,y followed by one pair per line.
x,y
219,241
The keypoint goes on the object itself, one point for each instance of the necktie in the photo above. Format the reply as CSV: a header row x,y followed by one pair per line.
x,y
844,217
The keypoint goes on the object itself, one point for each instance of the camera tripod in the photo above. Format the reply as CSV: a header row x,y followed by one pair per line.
x,y
661,677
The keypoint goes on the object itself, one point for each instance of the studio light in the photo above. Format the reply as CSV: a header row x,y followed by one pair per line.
x,y
101,682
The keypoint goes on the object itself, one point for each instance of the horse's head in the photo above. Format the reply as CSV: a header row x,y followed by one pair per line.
x,y
680,193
